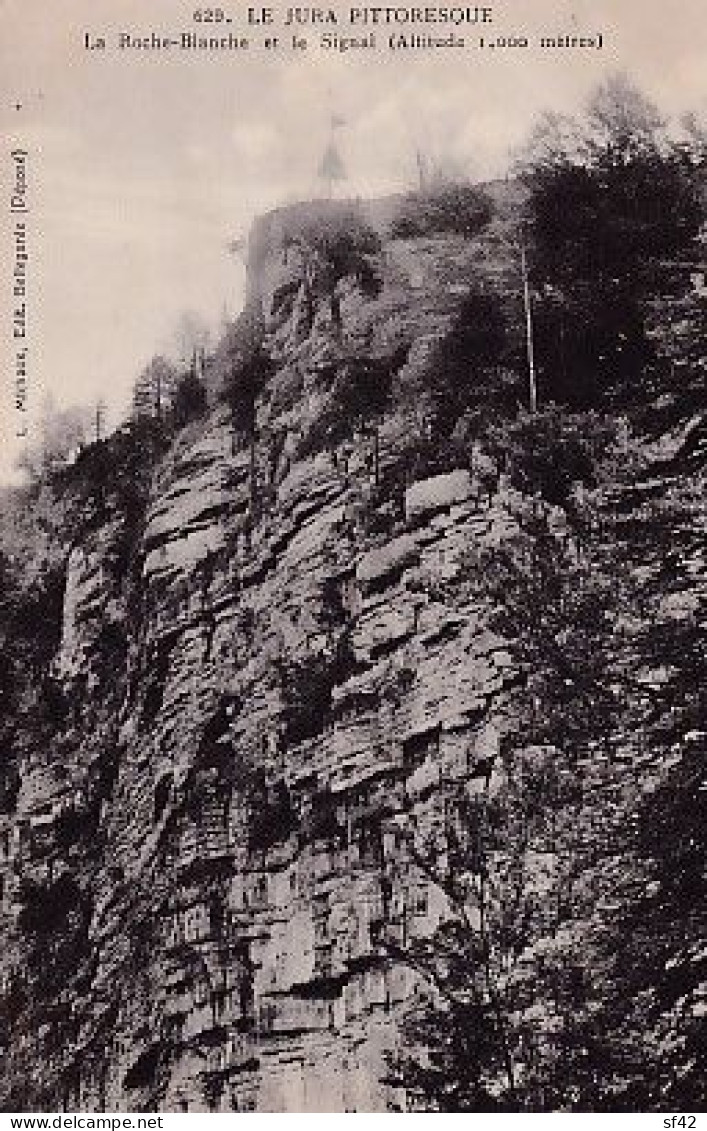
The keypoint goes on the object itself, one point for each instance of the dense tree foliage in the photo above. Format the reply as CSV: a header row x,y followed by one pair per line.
x,y
609,217
570,975
446,208
189,400
612,200
247,369
154,388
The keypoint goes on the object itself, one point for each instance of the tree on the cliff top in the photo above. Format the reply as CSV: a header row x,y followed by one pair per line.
x,y
445,207
612,193
612,197
189,399
154,388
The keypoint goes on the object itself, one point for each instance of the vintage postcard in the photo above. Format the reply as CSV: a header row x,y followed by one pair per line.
x,y
352,579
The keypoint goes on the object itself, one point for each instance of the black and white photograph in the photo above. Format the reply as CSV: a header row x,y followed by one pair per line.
x,y
353,519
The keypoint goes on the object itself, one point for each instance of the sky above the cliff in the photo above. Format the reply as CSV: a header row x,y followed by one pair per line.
x,y
143,167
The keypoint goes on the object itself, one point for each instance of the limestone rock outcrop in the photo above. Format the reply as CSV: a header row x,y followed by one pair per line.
x,y
221,829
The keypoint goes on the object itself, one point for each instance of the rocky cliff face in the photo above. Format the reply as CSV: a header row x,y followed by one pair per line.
x,y
252,688
210,868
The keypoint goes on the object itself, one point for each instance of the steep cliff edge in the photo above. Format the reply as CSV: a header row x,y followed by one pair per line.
x,y
208,855
272,671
